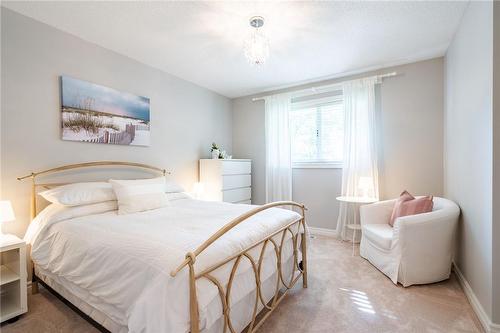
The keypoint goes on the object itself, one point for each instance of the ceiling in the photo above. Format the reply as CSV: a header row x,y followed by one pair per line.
x,y
202,42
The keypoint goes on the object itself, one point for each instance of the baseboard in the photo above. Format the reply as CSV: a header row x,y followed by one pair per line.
x,y
485,320
323,232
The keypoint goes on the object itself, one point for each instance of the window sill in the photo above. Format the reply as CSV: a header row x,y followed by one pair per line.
x,y
312,165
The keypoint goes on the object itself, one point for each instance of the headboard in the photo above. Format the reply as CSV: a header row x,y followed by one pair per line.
x,y
34,185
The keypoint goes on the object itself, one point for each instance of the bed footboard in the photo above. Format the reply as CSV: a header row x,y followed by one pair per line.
x,y
296,230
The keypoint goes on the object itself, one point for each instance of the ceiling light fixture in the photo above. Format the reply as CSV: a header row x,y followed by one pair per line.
x,y
257,44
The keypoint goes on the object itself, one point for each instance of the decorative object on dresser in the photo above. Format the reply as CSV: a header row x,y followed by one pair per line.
x,y
218,153
215,151
226,180
13,297
97,114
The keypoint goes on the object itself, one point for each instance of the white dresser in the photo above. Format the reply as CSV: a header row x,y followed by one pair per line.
x,y
226,180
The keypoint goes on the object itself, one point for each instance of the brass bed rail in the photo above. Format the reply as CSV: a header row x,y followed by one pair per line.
x,y
296,229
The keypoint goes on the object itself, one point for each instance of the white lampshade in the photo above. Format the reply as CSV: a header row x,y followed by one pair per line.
x,y
198,188
6,211
365,184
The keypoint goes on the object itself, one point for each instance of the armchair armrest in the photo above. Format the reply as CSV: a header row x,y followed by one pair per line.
x,y
426,245
430,224
376,213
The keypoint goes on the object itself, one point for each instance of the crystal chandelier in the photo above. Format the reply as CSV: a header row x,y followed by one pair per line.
x,y
257,44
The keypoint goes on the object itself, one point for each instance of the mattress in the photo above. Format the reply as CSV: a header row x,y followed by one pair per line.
x,y
138,251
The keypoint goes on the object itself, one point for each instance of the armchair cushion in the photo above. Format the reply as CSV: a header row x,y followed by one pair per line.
x,y
379,234
378,212
407,204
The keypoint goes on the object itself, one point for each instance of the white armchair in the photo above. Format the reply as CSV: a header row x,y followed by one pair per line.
x,y
418,249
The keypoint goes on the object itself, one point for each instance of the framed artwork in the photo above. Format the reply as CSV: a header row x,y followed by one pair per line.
x,y
98,114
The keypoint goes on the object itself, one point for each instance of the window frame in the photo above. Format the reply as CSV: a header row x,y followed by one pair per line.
x,y
317,103
317,165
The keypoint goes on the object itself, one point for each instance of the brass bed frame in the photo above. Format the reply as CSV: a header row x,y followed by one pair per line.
x,y
296,229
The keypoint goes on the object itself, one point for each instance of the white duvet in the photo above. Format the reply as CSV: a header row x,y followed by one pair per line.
x,y
121,263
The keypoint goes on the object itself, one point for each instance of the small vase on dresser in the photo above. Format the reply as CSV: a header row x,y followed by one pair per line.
x,y
228,180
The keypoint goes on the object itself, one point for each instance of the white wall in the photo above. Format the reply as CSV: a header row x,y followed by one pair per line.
x,y
496,164
412,130
411,141
317,189
185,118
468,145
249,138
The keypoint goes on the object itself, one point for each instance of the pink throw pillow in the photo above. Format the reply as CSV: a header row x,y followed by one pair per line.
x,y
408,205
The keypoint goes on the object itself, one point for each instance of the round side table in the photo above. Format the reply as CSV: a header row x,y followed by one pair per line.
x,y
354,226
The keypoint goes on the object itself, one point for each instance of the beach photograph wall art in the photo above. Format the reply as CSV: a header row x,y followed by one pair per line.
x,y
97,114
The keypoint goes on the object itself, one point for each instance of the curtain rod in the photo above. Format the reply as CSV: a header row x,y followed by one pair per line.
x,y
314,89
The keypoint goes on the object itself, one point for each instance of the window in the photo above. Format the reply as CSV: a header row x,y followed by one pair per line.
x,y
317,132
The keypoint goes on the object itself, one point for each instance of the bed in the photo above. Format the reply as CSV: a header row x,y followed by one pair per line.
x,y
194,266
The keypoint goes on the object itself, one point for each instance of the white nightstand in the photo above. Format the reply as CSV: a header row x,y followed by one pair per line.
x,y
354,226
13,275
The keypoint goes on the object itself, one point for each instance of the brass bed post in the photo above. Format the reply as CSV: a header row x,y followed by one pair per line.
x,y
193,298
34,282
33,198
303,244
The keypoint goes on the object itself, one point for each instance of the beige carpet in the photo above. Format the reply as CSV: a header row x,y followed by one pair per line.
x,y
345,294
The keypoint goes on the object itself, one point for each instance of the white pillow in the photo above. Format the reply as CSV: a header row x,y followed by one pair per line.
x,y
178,196
172,187
140,194
78,194
54,213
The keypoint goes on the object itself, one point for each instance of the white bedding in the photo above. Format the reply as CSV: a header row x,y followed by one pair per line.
x,y
121,263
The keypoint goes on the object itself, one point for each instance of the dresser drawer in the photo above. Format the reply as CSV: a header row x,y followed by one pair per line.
x,y
246,202
236,181
236,168
237,195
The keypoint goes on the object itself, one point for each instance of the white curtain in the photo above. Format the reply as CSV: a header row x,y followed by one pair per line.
x,y
360,171
278,155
